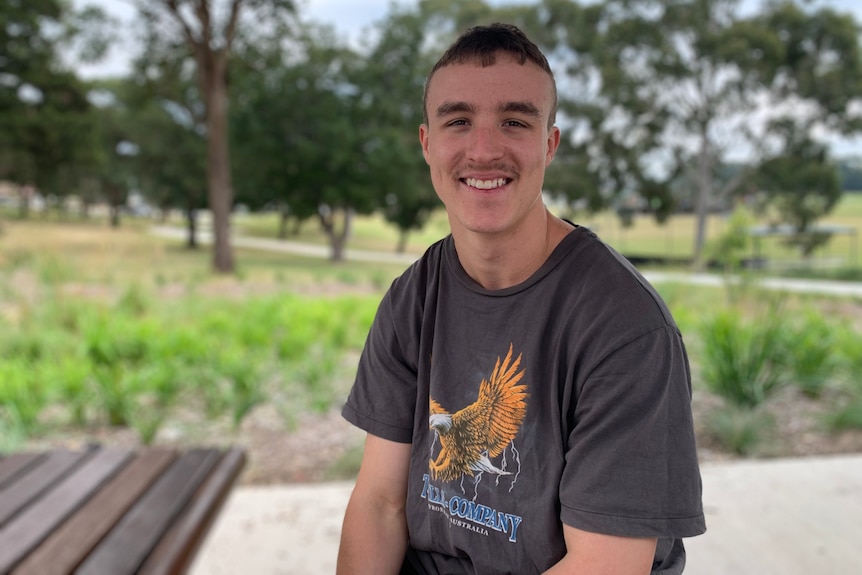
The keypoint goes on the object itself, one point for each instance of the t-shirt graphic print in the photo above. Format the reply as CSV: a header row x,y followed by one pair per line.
x,y
466,441
475,441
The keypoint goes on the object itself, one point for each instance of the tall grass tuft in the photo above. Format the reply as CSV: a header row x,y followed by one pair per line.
x,y
22,395
848,414
812,360
742,359
739,430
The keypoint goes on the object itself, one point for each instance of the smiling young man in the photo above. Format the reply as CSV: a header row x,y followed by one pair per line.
x,y
525,392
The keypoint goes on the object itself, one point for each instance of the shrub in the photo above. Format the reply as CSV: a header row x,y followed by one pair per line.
x,y
22,394
812,359
742,359
71,380
738,429
848,416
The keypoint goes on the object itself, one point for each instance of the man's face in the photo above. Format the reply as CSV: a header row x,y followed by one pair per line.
x,y
487,142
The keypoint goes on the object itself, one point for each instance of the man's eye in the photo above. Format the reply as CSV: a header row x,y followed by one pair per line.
x,y
459,122
513,124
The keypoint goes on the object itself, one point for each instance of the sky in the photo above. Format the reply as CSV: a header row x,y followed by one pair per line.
x,y
351,17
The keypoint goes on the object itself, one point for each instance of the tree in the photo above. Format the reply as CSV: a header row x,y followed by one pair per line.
x,y
209,35
167,125
110,177
278,121
392,83
46,124
304,145
663,92
851,174
801,185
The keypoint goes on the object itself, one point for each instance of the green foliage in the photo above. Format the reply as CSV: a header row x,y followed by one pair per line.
x,y
734,244
743,357
133,363
71,379
739,429
812,360
54,271
347,466
22,395
802,185
848,416
243,371
849,347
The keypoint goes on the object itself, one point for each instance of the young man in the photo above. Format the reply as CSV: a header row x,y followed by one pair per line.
x,y
525,392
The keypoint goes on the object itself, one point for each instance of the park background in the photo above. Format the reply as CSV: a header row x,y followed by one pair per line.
x,y
132,312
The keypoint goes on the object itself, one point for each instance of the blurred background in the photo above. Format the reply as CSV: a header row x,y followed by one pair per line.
x,y
202,203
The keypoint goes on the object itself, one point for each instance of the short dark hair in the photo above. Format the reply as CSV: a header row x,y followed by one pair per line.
x,y
483,43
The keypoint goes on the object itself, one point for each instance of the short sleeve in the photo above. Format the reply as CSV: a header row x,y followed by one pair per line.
x,y
631,463
383,398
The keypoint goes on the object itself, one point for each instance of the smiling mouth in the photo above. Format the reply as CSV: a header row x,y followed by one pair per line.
x,y
486,184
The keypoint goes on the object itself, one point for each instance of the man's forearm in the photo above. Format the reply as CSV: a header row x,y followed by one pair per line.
x,y
373,538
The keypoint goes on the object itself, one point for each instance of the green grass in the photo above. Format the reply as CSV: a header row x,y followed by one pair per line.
x,y
645,237
129,328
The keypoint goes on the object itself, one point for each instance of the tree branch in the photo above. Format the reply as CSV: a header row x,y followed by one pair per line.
x,y
173,8
202,8
230,28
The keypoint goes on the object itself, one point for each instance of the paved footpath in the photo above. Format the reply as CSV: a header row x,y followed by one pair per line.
x,y
826,287
764,517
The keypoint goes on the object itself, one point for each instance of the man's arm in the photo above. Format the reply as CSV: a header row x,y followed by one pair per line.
x,y
374,533
599,554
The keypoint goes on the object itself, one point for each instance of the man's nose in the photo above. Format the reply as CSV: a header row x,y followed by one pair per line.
x,y
484,145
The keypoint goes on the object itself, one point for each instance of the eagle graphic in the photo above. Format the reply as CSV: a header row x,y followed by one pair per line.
x,y
469,438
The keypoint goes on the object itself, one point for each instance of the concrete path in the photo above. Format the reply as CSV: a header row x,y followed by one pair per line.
x,y
773,517
825,287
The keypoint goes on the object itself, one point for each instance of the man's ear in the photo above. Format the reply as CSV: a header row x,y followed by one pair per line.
x,y
553,144
423,140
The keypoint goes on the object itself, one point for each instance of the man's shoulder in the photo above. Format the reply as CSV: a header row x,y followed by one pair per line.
x,y
422,270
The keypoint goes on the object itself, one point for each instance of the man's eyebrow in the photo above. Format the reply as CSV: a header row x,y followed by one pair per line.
x,y
449,108
525,108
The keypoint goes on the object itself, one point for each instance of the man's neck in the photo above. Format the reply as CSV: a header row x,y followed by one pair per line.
x,y
505,260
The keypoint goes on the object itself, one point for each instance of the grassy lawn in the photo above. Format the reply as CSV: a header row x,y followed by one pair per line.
x,y
645,237
84,307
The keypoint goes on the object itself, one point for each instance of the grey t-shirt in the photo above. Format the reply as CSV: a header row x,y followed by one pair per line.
x,y
565,399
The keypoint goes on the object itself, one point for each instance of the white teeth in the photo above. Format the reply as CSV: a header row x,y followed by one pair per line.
x,y
486,184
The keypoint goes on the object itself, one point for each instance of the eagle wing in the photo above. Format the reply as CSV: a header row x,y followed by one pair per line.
x,y
494,419
484,428
434,408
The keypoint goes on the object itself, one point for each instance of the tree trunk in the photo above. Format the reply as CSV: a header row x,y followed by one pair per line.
x,y
284,214
220,190
191,228
702,186
24,202
115,215
337,238
115,199
402,241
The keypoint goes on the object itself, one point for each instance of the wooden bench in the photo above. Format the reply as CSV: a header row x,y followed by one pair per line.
x,y
110,511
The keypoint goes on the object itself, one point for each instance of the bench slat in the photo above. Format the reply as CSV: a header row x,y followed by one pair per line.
x,y
14,464
36,479
127,545
36,522
67,547
178,547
